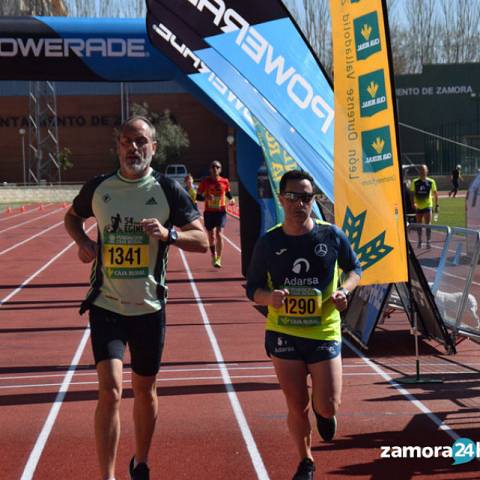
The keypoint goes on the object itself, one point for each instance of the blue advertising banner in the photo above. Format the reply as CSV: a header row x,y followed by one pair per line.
x,y
256,52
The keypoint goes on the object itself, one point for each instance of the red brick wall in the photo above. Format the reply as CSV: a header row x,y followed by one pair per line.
x,y
86,125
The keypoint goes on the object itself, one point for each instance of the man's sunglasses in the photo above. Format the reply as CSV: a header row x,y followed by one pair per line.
x,y
215,166
305,197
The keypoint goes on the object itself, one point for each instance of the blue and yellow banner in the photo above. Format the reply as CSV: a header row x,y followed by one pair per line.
x,y
367,180
278,162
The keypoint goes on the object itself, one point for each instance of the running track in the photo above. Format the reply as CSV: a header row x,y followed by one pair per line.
x,y
222,415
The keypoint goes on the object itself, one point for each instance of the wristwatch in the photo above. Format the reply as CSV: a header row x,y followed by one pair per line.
x,y
346,292
172,236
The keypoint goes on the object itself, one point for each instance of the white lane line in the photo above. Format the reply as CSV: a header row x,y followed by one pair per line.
x,y
30,238
13,386
31,210
231,243
37,450
257,461
127,372
159,380
411,398
32,220
39,271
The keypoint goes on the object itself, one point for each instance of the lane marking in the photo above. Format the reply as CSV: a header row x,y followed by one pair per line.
x,y
32,220
8,217
420,405
37,450
42,438
30,238
227,381
194,379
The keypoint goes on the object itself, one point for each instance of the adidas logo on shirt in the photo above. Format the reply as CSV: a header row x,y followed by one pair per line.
x,y
151,201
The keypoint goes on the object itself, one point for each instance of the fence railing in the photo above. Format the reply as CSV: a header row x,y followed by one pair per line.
x,y
449,263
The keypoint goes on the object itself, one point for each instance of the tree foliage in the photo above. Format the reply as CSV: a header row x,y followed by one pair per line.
x,y
172,139
106,8
32,7
423,32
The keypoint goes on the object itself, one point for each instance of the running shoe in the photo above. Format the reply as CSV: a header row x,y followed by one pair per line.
x,y
217,262
305,470
327,427
140,472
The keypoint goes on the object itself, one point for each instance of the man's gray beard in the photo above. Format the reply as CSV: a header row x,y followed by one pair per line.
x,y
139,167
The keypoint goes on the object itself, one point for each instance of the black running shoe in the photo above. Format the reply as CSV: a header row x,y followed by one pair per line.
x,y
305,470
140,472
327,427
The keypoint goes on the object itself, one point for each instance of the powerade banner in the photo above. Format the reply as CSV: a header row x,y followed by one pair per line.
x,y
252,54
368,198
278,161
79,49
93,49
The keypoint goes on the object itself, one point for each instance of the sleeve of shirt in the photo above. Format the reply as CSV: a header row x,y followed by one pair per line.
x,y
347,259
228,192
82,203
257,270
434,186
182,209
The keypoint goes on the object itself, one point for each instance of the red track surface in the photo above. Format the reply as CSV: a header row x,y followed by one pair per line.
x,y
215,377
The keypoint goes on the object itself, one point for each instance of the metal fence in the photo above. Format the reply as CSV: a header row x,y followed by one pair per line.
x,y
450,265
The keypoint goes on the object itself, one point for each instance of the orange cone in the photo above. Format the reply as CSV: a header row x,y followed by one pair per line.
x,y
41,207
65,204
9,210
23,209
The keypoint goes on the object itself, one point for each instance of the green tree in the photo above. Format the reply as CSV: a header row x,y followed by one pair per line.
x,y
172,139
65,159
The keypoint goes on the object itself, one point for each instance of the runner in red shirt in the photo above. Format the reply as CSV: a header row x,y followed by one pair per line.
x,y
214,190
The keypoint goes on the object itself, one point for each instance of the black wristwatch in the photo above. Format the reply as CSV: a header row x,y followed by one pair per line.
x,y
172,236
346,292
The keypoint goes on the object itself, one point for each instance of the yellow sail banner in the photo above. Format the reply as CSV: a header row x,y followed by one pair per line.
x,y
367,181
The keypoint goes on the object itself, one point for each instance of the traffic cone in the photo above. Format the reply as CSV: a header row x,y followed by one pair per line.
x,y
9,211
65,204
41,207
23,208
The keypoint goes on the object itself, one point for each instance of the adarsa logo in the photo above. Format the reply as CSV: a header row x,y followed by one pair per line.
x,y
69,47
299,90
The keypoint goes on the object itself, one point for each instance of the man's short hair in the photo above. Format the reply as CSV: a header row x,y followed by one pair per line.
x,y
135,118
216,163
294,175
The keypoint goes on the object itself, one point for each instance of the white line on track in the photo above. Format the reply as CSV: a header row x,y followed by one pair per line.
x,y
42,438
13,386
31,210
231,243
411,398
30,238
31,220
257,461
37,450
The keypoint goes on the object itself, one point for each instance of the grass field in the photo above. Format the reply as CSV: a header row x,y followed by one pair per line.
x,y
452,212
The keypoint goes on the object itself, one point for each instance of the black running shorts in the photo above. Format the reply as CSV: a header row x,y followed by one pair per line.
x,y
290,347
214,219
145,335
